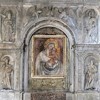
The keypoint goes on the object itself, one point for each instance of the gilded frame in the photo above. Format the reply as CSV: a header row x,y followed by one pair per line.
x,y
36,39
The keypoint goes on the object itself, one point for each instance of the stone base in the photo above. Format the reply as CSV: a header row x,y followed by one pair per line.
x,y
10,95
62,96
48,96
87,96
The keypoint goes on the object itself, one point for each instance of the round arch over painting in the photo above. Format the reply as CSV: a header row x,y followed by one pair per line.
x,y
59,31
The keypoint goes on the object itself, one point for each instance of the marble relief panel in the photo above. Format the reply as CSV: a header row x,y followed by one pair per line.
x,y
87,71
70,15
91,73
8,24
48,84
9,72
82,20
88,74
90,25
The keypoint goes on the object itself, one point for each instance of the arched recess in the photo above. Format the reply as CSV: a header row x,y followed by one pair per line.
x,y
30,30
87,58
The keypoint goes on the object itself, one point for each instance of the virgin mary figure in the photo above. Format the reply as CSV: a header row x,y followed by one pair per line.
x,y
48,61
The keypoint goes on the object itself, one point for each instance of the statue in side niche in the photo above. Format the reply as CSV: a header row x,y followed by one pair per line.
x,y
91,76
7,71
7,27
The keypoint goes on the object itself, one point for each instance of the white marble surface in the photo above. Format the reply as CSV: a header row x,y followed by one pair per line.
x,y
6,95
70,19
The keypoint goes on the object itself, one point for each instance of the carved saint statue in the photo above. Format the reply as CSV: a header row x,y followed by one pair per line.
x,y
91,27
47,61
7,27
90,76
7,70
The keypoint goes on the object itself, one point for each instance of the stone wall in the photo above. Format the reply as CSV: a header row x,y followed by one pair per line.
x,y
27,28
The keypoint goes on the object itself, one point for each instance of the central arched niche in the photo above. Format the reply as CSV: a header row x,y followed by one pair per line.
x,y
49,49
49,60
43,28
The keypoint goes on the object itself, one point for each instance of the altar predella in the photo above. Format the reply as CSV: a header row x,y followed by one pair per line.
x,y
49,50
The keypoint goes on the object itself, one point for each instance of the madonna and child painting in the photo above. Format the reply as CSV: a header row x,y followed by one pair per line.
x,y
48,55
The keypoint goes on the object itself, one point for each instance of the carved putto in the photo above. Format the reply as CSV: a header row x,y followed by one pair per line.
x,y
67,14
33,13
